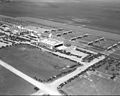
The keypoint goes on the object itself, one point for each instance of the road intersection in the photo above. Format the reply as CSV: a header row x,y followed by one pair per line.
x,y
50,88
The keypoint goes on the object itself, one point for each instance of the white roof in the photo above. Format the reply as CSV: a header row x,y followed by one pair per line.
x,y
51,41
72,50
15,31
75,52
62,48
37,29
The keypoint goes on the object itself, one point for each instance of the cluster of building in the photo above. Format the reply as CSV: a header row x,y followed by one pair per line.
x,y
43,37
3,41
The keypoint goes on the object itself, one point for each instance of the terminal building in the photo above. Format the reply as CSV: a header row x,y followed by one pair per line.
x,y
51,43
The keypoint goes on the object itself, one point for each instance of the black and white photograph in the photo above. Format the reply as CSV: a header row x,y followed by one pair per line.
x,y
59,47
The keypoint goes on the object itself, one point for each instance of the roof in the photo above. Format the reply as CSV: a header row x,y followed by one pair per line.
x,y
62,47
37,29
72,50
51,41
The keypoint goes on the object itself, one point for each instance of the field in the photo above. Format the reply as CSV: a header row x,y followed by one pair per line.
x,y
99,19
92,85
116,54
97,14
11,84
33,61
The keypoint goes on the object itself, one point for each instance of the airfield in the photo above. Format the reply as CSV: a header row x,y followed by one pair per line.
x,y
64,68
12,84
92,84
40,64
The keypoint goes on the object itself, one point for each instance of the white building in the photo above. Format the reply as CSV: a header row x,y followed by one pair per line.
x,y
51,43
37,29
72,50
15,31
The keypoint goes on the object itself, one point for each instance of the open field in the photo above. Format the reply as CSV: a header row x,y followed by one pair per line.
x,y
97,19
92,85
78,29
10,84
33,61
97,14
110,66
107,43
116,54
90,38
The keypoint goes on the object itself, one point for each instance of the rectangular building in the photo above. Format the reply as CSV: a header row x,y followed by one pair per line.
x,y
51,43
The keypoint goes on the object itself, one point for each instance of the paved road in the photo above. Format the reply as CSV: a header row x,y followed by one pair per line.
x,y
63,79
40,85
50,88
74,73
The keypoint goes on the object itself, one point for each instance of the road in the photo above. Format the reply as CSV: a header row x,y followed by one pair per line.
x,y
74,73
49,88
40,85
63,79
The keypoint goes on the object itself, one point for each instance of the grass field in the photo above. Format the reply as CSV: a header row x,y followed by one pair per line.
x,y
94,85
11,84
33,61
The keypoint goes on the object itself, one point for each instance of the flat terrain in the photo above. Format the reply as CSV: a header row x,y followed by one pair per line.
x,y
92,85
103,15
33,61
116,53
10,84
78,29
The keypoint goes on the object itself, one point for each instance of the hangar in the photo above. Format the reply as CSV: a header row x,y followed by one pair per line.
x,y
51,43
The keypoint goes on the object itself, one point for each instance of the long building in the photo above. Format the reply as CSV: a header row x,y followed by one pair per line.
x,y
51,42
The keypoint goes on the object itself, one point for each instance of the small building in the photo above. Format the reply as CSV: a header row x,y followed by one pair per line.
x,y
46,35
51,43
76,53
37,29
15,31
72,51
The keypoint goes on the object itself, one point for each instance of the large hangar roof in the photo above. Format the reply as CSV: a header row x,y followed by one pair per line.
x,y
51,41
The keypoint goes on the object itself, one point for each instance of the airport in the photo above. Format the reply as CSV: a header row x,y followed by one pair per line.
x,y
54,46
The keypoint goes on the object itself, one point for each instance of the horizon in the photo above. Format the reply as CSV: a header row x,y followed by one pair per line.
x,y
67,1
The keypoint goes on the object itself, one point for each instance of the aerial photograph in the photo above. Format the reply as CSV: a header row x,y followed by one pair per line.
x,y
59,47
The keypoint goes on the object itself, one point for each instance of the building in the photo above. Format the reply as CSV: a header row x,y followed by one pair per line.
x,y
72,51
37,29
51,43
46,35
15,31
